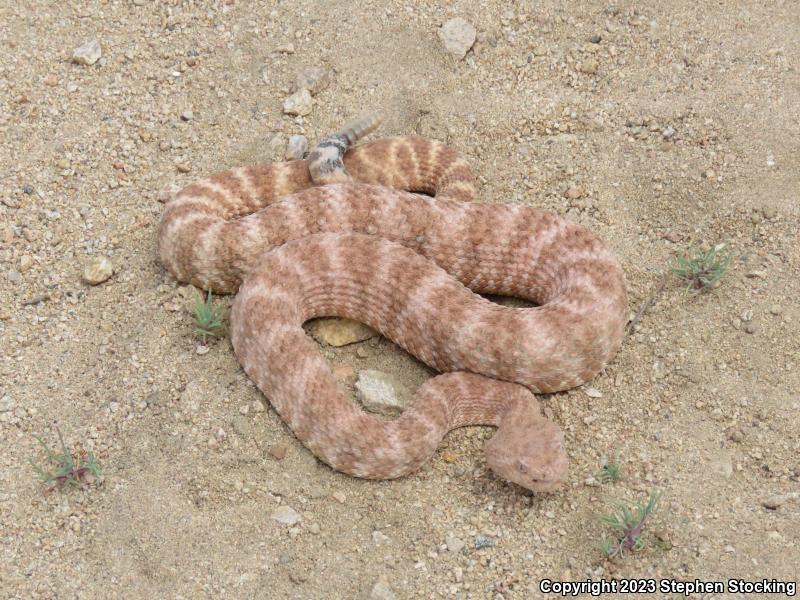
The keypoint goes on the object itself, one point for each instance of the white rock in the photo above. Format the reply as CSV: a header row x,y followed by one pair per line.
x,y
6,404
458,36
453,543
87,54
378,537
286,515
98,270
381,591
377,392
298,104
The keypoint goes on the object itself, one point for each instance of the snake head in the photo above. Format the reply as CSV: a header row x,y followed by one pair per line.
x,y
528,450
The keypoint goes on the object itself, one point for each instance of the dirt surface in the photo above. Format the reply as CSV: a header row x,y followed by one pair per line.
x,y
674,123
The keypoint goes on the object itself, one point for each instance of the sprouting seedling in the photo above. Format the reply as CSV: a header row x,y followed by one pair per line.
x,y
207,317
611,471
702,269
62,467
628,525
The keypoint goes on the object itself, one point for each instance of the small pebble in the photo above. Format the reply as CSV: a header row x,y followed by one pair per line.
x,y
736,435
573,192
25,262
340,332
97,270
87,54
458,36
313,79
297,147
298,104
277,146
453,543
278,452
202,349
483,541
596,38
381,591
168,192
339,497
589,66
187,115
378,538
286,515
778,500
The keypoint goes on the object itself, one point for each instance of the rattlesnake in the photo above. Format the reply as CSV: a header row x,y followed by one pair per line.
x,y
363,238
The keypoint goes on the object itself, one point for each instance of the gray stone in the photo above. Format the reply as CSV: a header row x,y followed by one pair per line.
x,y
458,36
377,392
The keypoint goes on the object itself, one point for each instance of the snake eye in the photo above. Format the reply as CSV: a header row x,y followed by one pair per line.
x,y
522,468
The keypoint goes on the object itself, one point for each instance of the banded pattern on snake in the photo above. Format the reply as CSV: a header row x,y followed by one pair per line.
x,y
388,233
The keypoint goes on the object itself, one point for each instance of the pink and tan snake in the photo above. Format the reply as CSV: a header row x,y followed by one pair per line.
x,y
388,233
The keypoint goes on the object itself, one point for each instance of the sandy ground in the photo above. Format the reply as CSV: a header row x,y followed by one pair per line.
x,y
679,122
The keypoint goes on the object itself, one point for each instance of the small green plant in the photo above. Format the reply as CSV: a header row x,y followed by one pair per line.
x,y
62,467
207,317
611,471
702,269
628,525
